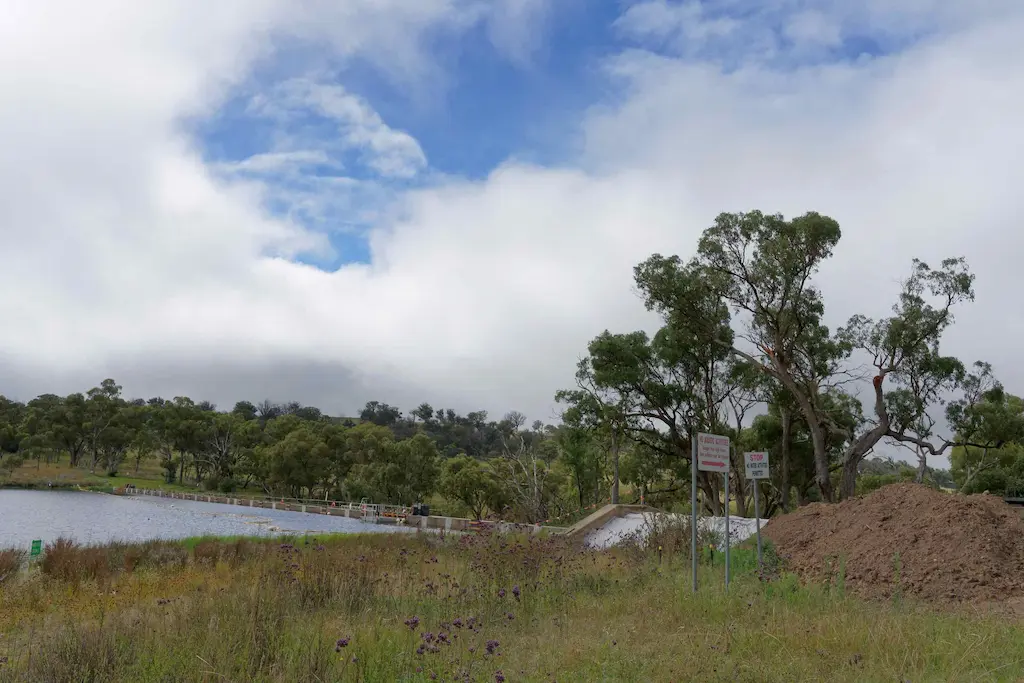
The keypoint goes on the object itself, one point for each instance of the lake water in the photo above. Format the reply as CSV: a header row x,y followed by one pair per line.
x,y
100,518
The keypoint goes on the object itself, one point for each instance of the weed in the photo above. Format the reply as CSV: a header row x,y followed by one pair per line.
x,y
471,608
897,592
10,562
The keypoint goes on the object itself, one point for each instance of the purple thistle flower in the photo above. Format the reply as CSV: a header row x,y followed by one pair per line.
x,y
421,649
457,623
510,616
515,592
342,642
499,677
433,676
412,622
501,592
491,646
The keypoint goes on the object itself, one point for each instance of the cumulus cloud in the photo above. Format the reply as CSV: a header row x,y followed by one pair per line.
x,y
125,254
516,27
386,151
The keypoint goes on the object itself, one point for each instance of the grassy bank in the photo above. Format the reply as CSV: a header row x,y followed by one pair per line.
x,y
42,475
387,608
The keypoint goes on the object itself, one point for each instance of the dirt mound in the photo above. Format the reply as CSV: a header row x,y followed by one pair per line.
x,y
930,545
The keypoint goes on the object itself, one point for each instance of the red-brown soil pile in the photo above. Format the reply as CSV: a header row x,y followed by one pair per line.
x,y
950,548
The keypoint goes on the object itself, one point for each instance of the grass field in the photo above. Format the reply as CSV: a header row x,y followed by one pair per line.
x,y
489,608
33,474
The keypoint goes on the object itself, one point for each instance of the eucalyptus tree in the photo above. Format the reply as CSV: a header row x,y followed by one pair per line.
x,y
761,267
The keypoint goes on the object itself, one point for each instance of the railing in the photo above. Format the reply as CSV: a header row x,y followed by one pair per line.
x,y
369,512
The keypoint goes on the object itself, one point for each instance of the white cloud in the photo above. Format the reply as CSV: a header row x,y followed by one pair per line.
x,y
387,151
124,254
685,26
278,162
516,27
813,28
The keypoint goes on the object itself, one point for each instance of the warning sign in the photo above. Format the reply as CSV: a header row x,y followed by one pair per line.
x,y
756,465
712,453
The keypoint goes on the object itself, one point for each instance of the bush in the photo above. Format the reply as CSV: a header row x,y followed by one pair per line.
x,y
228,485
669,535
65,560
11,560
207,552
994,481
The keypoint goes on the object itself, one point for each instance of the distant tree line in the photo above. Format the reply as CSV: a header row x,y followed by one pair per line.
x,y
482,466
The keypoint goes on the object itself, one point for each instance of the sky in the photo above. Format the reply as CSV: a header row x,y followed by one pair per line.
x,y
336,201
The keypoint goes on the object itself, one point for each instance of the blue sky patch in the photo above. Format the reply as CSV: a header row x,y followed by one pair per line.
x,y
334,149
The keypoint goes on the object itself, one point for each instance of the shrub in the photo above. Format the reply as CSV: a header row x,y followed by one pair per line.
x,y
669,535
993,481
60,559
11,560
207,552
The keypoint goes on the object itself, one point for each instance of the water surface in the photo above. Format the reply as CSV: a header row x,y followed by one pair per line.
x,y
100,518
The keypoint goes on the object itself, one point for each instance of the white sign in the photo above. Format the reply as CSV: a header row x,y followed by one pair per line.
x,y
756,465
712,453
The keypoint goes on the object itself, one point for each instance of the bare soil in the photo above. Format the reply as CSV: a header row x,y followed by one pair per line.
x,y
912,540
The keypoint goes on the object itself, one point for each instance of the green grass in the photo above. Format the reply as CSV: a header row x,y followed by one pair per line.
x,y
60,474
246,610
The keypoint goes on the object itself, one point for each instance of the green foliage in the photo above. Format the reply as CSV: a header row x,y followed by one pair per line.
x,y
289,449
742,323
399,471
474,484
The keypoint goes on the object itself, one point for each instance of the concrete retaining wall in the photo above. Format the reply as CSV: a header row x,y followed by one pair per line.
x,y
598,519
462,525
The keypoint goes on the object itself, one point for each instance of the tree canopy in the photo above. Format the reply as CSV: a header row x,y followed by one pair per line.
x,y
743,328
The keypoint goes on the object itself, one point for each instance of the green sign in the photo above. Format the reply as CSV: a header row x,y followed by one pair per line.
x,y
37,547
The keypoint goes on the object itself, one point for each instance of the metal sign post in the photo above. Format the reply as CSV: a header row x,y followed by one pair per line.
x,y
726,475
693,507
757,523
756,465
712,455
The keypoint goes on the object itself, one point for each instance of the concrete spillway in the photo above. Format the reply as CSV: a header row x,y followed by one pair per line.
x,y
637,525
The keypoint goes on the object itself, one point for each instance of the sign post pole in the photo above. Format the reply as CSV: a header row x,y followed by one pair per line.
x,y
757,524
712,456
756,465
726,475
693,506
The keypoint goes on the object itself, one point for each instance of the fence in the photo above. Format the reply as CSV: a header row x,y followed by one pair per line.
x,y
375,513
368,512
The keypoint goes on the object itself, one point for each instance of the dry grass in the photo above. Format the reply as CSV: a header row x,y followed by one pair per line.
x,y
60,474
402,608
10,563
